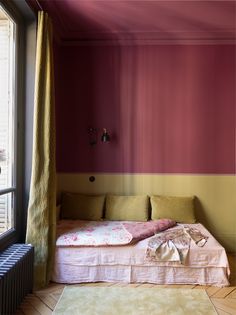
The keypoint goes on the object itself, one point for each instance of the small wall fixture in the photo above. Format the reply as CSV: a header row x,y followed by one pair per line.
x,y
93,136
105,136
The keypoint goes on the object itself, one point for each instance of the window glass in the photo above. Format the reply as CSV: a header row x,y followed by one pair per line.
x,y
7,121
6,212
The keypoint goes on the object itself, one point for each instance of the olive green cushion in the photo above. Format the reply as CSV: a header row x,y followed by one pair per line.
x,y
82,207
179,209
127,208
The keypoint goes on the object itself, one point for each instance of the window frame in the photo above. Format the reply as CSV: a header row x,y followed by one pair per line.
x,y
13,234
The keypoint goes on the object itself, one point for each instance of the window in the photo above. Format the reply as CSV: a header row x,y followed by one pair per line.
x,y
8,118
17,69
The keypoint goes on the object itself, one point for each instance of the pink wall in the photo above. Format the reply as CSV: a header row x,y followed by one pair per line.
x,y
168,108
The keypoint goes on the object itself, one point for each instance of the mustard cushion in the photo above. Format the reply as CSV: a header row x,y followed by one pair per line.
x,y
82,207
127,208
179,209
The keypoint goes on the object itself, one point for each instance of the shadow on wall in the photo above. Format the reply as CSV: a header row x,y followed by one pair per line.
x,y
200,212
99,90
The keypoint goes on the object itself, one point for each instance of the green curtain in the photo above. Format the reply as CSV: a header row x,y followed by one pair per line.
x,y
41,218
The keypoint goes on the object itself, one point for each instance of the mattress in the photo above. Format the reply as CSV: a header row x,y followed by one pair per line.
x,y
207,265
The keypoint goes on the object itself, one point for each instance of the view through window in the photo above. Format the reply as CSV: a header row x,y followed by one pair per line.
x,y
7,121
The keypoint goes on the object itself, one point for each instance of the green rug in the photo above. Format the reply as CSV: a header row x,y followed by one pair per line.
x,y
133,301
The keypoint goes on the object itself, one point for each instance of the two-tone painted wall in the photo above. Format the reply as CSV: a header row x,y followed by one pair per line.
x,y
170,111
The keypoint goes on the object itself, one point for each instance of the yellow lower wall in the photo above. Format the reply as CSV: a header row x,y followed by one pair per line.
x,y
215,208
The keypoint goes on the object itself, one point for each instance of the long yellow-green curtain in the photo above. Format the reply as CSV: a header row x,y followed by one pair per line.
x,y
41,218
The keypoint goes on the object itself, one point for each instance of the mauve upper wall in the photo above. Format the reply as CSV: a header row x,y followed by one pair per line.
x,y
168,108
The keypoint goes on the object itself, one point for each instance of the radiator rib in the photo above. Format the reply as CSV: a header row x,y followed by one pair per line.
x,y
16,276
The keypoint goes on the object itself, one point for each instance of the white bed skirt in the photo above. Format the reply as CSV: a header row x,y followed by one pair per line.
x,y
141,274
207,265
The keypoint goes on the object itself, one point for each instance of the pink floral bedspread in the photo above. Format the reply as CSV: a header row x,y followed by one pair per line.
x,y
103,233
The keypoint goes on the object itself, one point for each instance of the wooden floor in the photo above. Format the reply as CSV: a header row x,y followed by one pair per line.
x,y
44,301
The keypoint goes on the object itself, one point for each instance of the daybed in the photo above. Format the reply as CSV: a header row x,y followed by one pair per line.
x,y
204,265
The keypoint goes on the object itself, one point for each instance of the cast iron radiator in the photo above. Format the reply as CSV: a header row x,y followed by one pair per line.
x,y
16,276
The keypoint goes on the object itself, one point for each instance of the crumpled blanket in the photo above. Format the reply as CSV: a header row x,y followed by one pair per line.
x,y
106,233
174,245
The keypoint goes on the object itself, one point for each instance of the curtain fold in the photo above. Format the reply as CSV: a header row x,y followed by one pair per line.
x,y
41,220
